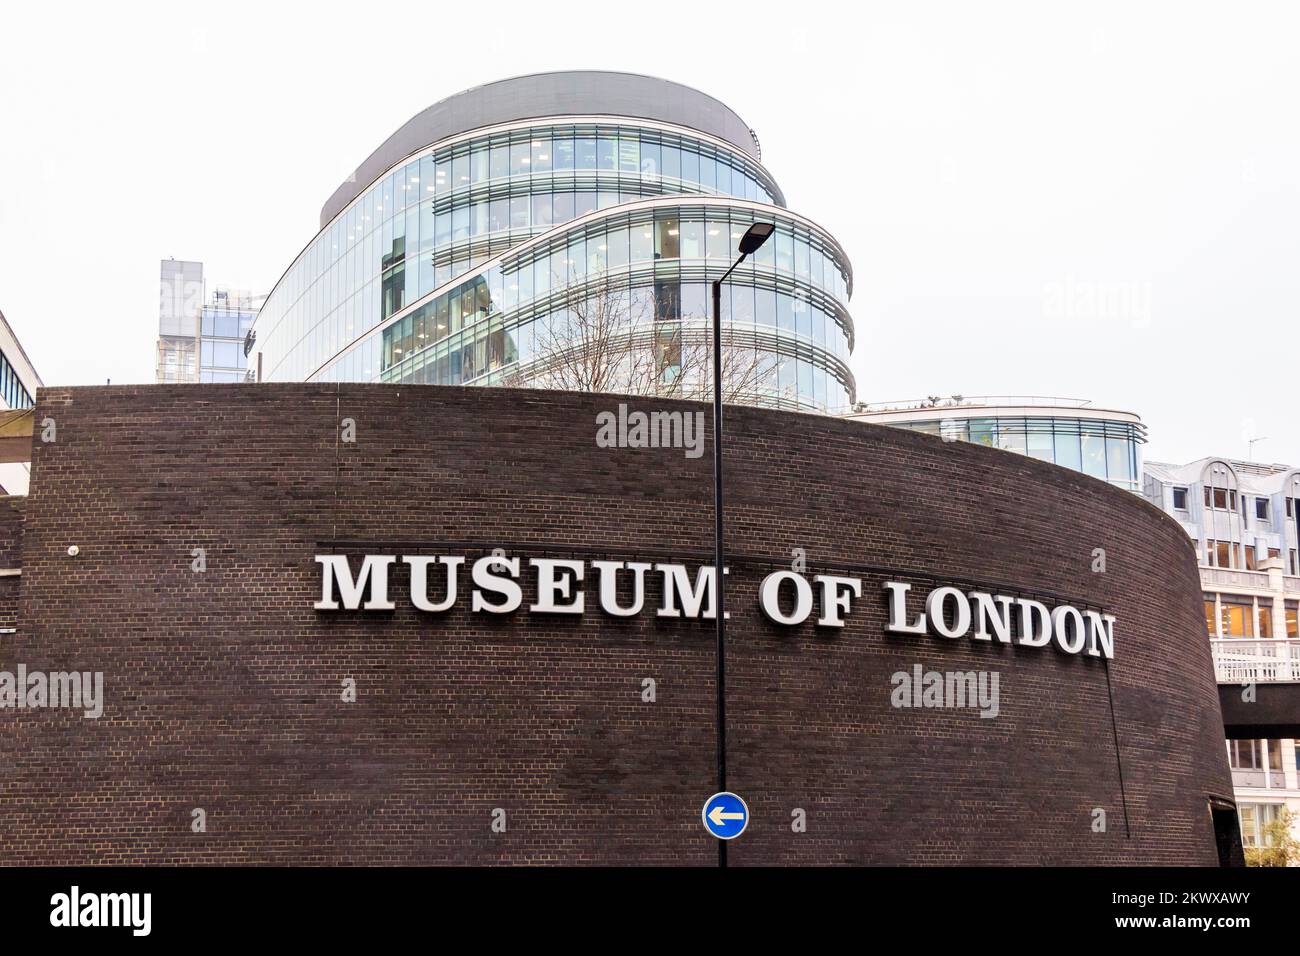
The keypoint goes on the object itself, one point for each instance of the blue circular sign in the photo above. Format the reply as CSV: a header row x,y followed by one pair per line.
x,y
725,815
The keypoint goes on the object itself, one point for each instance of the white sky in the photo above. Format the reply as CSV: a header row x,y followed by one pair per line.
x,y
1095,199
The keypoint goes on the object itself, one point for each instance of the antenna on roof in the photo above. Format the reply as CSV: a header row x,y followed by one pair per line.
x,y
1251,443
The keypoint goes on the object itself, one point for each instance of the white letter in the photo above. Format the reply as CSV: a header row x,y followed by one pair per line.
x,y
420,581
609,586
59,915
898,610
676,582
1030,609
549,586
988,611
374,568
1101,629
1059,615
606,430
835,602
141,911
769,597
934,608
485,580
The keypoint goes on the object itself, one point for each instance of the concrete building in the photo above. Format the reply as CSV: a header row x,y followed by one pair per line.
x,y
1244,521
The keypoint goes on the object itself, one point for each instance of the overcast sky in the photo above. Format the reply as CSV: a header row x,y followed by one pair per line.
x,y
1093,200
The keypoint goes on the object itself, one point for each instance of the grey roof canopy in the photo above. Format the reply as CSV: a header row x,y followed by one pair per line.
x,y
582,92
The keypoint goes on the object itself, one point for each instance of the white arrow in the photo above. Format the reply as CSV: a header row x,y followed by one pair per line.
x,y
717,815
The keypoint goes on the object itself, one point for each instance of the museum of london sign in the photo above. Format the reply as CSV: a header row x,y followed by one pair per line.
x,y
785,597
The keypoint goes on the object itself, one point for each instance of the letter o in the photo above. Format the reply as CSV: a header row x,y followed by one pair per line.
x,y
1059,614
934,611
769,597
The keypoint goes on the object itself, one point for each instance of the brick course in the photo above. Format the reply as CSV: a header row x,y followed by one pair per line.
x,y
223,687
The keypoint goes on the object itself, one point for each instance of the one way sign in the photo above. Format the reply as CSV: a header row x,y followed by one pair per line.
x,y
725,815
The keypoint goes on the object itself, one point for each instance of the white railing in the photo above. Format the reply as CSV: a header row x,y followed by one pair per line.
x,y
1248,661
968,401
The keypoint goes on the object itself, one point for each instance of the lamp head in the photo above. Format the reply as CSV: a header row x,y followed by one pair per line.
x,y
755,236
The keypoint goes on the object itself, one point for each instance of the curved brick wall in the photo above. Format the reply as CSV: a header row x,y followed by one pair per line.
x,y
223,688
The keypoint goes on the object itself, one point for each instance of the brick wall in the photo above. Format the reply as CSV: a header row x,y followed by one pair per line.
x,y
223,687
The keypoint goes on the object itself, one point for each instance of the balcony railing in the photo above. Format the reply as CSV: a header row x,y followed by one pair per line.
x,y
1231,578
1250,661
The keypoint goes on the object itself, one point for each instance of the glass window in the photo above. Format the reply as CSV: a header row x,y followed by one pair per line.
x,y
650,161
459,171
984,431
1238,620
562,156
563,207
642,241
541,154
629,153
498,215
1093,448
765,307
784,250
717,239
542,209
518,212
1011,436
478,165
667,236
671,159
724,177
708,173
586,152
520,158
742,304
607,153
695,300
785,312
499,161
692,244
1118,460
617,240
690,166
1038,439
1180,499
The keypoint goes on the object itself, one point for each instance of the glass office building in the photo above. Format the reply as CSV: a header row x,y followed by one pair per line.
x,y
200,337
224,322
1103,443
506,229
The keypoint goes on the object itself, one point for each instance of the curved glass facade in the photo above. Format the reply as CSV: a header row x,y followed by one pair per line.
x,y
471,260
1101,447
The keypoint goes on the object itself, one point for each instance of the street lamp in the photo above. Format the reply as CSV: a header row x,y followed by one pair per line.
x,y
750,242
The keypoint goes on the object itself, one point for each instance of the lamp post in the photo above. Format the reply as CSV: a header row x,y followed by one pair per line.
x,y
754,237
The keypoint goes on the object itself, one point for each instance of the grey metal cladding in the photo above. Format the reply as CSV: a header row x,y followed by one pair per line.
x,y
581,92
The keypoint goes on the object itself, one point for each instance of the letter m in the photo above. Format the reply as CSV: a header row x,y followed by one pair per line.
x,y
374,572
677,584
